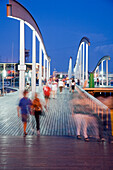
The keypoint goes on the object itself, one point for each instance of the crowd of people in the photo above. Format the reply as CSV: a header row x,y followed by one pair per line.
x,y
35,106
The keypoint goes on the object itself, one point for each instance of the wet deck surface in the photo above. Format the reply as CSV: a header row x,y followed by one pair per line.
x,y
50,152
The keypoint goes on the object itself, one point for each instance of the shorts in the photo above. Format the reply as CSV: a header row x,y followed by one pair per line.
x,y
73,87
67,85
46,97
25,117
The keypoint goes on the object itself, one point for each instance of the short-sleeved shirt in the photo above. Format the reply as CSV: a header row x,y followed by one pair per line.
x,y
46,91
24,104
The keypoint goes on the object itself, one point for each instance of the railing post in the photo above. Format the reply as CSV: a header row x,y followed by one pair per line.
x,y
95,107
102,113
98,111
107,118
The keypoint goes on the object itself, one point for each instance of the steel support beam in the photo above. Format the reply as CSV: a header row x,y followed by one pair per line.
x,y
107,72
102,72
22,67
33,64
87,62
83,62
40,65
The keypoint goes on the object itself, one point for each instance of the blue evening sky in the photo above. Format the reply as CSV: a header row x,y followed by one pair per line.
x,y
62,23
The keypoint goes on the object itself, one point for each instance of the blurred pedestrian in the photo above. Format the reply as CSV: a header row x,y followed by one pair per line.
x,y
63,83
37,109
97,82
54,89
27,87
45,81
47,92
73,85
70,83
67,83
84,121
78,82
49,83
60,84
25,107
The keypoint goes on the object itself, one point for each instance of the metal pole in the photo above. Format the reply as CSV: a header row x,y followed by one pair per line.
x,y
87,62
77,66
83,63
107,72
22,60
98,74
14,77
47,70
102,71
80,63
95,77
3,78
12,66
44,68
11,75
40,65
33,84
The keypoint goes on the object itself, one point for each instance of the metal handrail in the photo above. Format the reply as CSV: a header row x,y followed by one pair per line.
x,y
98,107
92,98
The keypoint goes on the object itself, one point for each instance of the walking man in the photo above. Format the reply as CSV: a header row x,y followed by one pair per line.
x,y
24,105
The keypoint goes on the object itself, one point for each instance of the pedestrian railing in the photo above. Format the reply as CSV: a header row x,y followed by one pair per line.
x,y
98,107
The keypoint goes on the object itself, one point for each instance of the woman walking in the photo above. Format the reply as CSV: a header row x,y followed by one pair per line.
x,y
54,89
73,85
37,108
47,93
60,84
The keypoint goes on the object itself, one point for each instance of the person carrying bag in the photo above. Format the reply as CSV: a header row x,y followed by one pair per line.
x,y
37,111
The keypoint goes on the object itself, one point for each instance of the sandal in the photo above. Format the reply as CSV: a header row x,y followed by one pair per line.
x,y
86,139
78,137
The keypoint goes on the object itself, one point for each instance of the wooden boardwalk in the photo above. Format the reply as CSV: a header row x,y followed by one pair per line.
x,y
58,120
57,147
54,153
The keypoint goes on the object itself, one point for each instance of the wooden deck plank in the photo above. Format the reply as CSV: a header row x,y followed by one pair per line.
x,y
50,152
